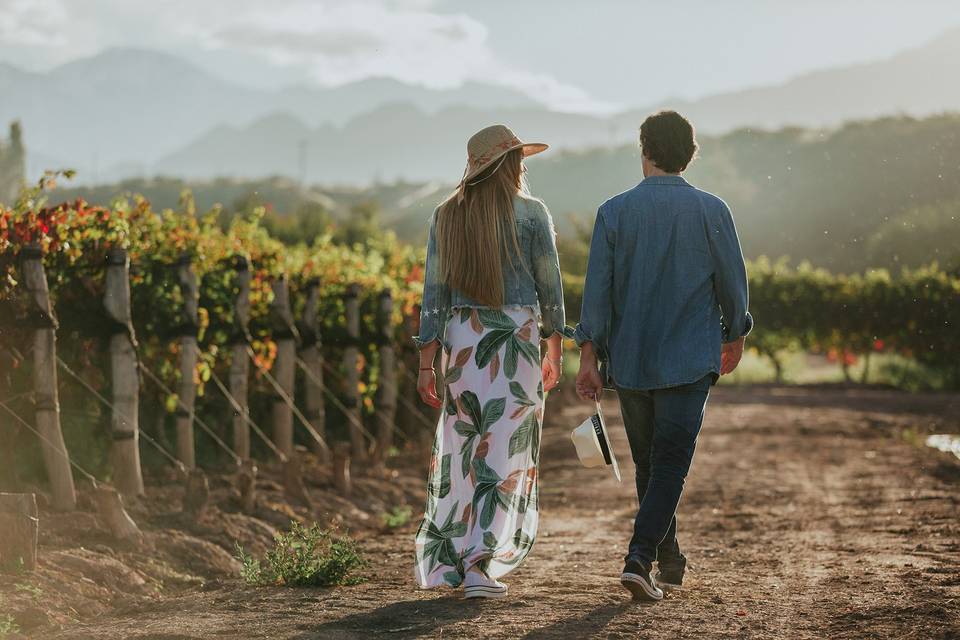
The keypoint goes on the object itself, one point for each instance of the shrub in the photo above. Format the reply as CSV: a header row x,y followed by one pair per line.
x,y
397,517
305,557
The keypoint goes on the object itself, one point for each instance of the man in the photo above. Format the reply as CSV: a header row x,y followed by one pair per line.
x,y
666,298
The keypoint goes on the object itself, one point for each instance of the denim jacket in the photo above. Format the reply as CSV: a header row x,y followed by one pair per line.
x,y
535,283
665,285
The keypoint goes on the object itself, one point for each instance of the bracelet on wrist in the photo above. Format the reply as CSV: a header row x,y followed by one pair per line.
x,y
426,369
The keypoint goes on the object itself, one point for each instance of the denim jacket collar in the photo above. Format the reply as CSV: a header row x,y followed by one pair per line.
x,y
669,180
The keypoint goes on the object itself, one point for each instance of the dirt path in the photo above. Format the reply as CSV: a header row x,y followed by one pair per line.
x,y
806,516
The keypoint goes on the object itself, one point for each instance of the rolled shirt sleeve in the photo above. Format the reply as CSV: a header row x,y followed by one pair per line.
x,y
597,289
546,275
435,305
730,277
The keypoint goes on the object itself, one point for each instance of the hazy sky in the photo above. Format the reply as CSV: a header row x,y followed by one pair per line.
x,y
589,55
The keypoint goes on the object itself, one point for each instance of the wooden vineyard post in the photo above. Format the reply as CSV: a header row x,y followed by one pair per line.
x,y
9,428
293,485
55,456
109,505
351,356
311,350
408,363
240,361
341,468
18,532
125,376
284,367
247,481
386,401
187,391
196,494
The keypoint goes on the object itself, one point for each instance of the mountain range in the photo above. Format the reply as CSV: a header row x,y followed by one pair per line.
x,y
128,112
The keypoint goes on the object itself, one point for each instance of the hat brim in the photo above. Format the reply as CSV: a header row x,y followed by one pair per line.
x,y
589,449
613,455
529,149
533,148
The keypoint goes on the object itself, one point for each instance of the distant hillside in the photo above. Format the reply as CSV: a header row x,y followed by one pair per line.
x,y
821,196
920,81
394,141
878,193
414,145
131,113
116,113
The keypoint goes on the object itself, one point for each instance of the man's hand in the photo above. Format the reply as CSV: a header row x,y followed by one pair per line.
x,y
730,355
589,382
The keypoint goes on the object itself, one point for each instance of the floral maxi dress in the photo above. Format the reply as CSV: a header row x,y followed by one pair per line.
x,y
482,505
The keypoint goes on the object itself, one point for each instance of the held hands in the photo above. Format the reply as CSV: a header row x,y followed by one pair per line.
x,y
730,355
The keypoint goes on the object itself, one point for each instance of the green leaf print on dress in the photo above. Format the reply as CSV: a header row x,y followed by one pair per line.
x,y
479,426
453,373
439,548
526,436
487,491
444,489
493,407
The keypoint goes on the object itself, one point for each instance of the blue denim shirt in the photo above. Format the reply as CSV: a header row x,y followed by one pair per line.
x,y
666,284
535,282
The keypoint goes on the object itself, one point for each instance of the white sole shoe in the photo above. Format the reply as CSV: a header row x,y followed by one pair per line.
x,y
483,591
640,588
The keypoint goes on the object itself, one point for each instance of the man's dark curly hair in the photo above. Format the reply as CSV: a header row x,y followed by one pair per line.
x,y
667,139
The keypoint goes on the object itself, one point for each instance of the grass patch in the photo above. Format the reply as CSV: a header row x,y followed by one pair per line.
x,y
22,587
799,367
397,517
305,557
8,625
886,369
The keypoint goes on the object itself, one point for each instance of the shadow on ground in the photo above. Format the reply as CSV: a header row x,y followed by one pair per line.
x,y
585,626
401,620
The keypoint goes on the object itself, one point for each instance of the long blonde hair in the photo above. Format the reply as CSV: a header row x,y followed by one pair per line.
x,y
473,236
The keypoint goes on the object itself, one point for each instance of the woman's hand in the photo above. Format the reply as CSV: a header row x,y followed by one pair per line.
x,y
427,380
552,366
552,369
427,387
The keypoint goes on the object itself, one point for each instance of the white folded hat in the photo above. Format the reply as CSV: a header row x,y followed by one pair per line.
x,y
593,444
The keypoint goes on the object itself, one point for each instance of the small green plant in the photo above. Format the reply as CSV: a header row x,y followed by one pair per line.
x,y
23,587
396,517
305,557
8,625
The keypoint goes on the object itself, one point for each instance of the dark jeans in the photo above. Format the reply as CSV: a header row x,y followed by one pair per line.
x,y
662,426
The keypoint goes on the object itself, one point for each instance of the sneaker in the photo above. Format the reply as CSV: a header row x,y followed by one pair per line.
x,y
479,585
636,579
669,577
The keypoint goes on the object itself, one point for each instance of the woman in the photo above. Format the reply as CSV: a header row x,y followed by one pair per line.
x,y
492,273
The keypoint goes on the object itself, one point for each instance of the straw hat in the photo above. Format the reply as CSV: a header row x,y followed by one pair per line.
x,y
490,145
